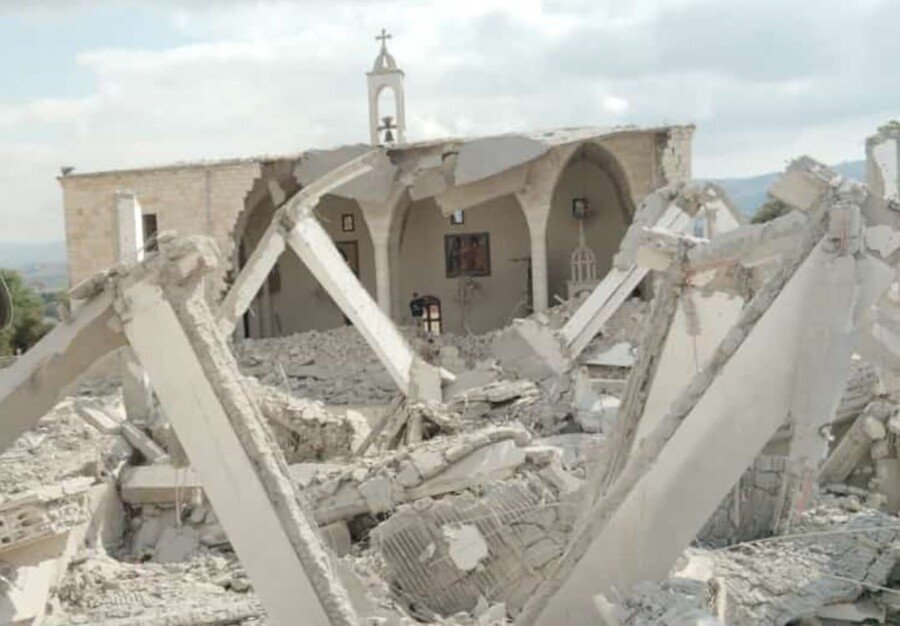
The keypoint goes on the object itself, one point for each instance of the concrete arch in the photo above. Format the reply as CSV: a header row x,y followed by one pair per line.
x,y
418,233
592,172
291,300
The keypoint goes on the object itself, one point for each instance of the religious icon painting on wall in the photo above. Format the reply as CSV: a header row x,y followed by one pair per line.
x,y
348,223
467,255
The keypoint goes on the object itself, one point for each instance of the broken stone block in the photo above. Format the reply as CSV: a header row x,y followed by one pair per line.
x,y
530,349
801,186
337,536
497,460
499,392
620,355
144,444
160,484
176,544
428,462
104,422
855,444
378,495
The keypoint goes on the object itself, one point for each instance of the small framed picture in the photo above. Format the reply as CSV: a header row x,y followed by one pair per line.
x,y
348,224
458,218
579,208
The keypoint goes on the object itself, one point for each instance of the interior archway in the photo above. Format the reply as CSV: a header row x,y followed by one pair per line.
x,y
594,175
424,238
292,300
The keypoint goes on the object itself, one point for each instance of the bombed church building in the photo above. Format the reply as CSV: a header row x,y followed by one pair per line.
x,y
485,229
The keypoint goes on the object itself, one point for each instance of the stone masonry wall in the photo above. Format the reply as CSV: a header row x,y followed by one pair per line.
x,y
191,199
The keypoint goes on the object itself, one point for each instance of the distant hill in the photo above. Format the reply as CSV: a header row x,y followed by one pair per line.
x,y
750,193
43,265
46,276
14,254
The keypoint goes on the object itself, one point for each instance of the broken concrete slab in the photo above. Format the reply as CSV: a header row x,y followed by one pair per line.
x,y
486,157
160,484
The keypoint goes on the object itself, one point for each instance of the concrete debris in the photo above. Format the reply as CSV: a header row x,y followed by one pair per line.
x,y
158,484
856,443
839,553
45,512
710,434
515,530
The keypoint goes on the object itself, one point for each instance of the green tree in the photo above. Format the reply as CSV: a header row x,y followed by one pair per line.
x,y
28,316
769,211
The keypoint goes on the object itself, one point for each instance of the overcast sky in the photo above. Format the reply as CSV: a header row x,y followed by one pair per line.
x,y
106,84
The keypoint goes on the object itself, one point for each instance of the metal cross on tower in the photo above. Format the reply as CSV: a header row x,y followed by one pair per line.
x,y
383,37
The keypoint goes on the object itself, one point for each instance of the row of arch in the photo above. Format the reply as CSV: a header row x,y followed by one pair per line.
x,y
420,240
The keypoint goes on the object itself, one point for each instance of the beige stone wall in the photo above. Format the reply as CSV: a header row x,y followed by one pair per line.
x,y
498,297
202,199
651,159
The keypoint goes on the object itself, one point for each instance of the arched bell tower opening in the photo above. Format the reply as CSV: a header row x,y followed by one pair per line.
x,y
384,127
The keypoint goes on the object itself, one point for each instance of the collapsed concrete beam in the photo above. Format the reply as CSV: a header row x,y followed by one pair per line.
x,y
296,225
176,338
750,245
31,387
612,291
717,426
272,244
415,378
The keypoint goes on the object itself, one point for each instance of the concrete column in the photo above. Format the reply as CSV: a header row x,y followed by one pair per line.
x,y
537,211
381,244
536,200
129,228
379,217
136,393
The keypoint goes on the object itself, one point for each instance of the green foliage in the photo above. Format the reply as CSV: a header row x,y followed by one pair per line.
x,y
52,301
769,211
28,316
892,125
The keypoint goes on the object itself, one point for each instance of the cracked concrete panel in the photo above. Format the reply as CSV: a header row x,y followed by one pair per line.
x,y
483,158
447,555
374,186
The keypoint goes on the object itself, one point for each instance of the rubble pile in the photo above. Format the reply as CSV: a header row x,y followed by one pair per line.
x,y
61,446
704,454
210,589
838,563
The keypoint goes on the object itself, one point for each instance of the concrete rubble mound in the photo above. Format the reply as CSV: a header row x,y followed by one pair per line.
x,y
707,434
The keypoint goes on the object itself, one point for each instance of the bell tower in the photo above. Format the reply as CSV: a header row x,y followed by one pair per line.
x,y
386,75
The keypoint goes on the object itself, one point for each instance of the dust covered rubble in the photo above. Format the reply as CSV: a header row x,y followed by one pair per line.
x,y
458,528
338,367
840,560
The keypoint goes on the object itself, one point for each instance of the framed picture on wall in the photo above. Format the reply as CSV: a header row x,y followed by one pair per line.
x,y
467,255
579,208
348,223
458,218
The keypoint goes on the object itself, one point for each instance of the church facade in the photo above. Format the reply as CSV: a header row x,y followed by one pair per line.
x,y
486,228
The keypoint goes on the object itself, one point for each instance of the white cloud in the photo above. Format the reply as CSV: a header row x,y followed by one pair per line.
x,y
615,105
763,80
